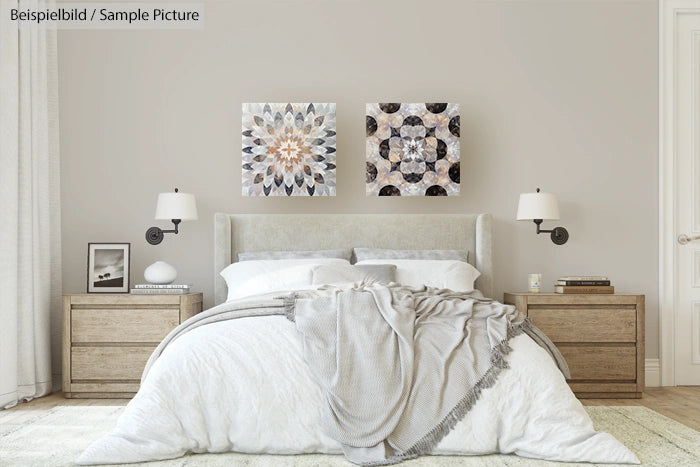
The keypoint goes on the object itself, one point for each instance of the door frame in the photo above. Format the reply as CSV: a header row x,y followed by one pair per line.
x,y
669,10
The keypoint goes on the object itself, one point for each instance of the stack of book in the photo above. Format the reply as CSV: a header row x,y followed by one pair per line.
x,y
583,284
160,289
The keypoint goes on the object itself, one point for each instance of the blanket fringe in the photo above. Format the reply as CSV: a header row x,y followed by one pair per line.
x,y
498,363
289,302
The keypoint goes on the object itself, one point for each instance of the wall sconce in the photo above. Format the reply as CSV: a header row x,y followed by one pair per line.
x,y
174,206
537,207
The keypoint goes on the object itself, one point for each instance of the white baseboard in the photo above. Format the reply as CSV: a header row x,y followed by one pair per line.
x,y
652,370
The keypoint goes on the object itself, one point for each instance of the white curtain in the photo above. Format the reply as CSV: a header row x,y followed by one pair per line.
x,y
30,256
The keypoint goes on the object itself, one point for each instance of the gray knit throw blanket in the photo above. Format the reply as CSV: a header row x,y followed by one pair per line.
x,y
400,366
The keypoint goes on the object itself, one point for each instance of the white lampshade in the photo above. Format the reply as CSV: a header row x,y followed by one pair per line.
x,y
176,206
537,206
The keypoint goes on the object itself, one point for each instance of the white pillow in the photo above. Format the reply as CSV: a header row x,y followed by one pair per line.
x,y
442,274
262,276
340,275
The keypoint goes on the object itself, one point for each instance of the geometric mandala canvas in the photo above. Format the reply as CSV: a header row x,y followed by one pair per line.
x,y
412,149
289,149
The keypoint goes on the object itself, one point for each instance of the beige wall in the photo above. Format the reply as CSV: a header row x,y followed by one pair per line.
x,y
556,94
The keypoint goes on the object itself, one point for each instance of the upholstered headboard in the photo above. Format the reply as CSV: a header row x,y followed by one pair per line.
x,y
235,233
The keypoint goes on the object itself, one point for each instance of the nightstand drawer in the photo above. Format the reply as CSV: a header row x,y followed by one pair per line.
x,y
122,325
109,363
586,324
600,362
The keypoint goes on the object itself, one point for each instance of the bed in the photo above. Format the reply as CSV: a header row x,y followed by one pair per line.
x,y
248,376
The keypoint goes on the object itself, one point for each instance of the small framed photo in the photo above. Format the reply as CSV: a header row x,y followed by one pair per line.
x,y
108,267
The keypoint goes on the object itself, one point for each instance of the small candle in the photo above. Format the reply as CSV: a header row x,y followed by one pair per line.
x,y
534,282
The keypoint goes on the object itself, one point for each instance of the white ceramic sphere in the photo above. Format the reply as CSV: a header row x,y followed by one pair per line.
x,y
160,272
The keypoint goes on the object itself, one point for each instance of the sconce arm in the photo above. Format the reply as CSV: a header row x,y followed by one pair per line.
x,y
155,235
559,235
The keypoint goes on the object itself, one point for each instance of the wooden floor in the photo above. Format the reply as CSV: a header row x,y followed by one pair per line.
x,y
679,403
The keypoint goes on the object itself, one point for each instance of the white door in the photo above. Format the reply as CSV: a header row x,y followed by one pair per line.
x,y
687,197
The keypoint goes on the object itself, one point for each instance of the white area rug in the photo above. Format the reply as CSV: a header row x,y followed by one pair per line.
x,y
55,437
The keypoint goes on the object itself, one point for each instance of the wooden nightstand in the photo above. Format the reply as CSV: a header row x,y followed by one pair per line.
x,y
600,336
107,339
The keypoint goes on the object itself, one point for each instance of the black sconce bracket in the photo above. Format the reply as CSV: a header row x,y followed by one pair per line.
x,y
559,235
155,235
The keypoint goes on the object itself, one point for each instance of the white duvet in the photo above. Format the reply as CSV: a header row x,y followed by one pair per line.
x,y
241,385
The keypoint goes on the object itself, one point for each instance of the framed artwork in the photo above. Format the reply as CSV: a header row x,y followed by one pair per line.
x,y
108,267
288,149
412,149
